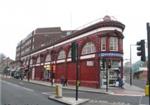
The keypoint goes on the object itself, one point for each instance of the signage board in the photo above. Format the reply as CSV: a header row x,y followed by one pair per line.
x,y
112,54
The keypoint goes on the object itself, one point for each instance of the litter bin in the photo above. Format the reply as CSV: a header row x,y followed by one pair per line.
x,y
58,91
147,90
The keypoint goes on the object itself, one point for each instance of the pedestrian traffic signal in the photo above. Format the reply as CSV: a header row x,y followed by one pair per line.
x,y
74,49
141,49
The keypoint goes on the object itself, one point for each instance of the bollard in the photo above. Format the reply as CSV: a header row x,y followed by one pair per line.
x,y
147,90
58,91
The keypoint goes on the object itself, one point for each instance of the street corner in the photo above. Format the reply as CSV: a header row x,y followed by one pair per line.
x,y
68,100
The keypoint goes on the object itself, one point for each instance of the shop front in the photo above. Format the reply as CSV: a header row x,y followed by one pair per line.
x,y
47,71
110,68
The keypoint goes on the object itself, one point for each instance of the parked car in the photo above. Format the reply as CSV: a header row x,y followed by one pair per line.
x,y
17,75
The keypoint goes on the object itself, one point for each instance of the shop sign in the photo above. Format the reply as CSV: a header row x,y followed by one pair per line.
x,y
115,64
47,67
111,54
90,63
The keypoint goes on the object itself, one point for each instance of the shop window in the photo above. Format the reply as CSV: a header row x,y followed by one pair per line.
x,y
48,58
113,44
62,55
88,48
103,44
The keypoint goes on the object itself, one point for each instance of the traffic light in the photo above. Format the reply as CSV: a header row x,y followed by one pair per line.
x,y
74,49
141,49
109,64
103,63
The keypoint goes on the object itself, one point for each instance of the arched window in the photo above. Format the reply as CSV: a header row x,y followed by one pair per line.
x,y
113,44
88,48
31,61
26,62
38,60
48,58
103,44
62,55
69,54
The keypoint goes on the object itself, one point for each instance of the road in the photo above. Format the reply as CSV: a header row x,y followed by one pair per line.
x,y
13,94
25,93
137,82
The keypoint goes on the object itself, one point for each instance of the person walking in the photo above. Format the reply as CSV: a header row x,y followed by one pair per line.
x,y
62,80
120,82
66,82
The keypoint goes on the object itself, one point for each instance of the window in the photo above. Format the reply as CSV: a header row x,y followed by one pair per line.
x,y
121,44
88,48
38,60
27,61
103,44
48,58
62,55
113,44
69,55
31,61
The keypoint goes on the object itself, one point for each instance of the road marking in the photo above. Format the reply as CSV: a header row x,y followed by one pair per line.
x,y
21,83
21,87
126,94
103,102
134,95
140,100
49,93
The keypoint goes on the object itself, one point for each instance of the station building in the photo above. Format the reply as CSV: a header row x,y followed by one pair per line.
x,y
100,41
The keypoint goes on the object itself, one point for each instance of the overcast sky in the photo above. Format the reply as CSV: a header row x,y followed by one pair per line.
x,y
19,17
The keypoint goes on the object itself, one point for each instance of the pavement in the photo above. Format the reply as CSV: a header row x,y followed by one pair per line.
x,y
126,91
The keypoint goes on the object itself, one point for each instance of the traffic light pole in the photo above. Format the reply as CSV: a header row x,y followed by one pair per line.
x,y
148,63
77,72
107,81
130,65
75,59
131,73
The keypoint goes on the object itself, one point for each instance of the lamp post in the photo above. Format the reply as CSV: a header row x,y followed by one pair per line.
x,y
131,72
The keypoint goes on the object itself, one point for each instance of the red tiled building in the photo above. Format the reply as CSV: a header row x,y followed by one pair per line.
x,y
102,40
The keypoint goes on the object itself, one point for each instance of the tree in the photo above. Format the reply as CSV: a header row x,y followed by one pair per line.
x,y
2,57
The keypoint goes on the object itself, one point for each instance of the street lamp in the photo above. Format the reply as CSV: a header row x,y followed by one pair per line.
x,y
131,73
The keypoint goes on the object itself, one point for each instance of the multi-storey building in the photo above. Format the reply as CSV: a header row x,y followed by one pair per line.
x,y
39,38
96,42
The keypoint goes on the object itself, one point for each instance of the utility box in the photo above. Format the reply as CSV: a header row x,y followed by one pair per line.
x,y
147,90
58,91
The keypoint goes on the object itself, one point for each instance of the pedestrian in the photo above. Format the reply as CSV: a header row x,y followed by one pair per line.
x,y
120,82
28,76
62,80
52,78
52,81
66,82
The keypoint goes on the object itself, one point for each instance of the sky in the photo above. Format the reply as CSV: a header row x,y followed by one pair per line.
x,y
19,17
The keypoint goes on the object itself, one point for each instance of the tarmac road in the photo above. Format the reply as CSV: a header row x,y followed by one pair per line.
x,y
37,95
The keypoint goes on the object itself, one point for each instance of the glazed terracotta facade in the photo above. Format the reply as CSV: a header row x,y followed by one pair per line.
x,y
56,59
